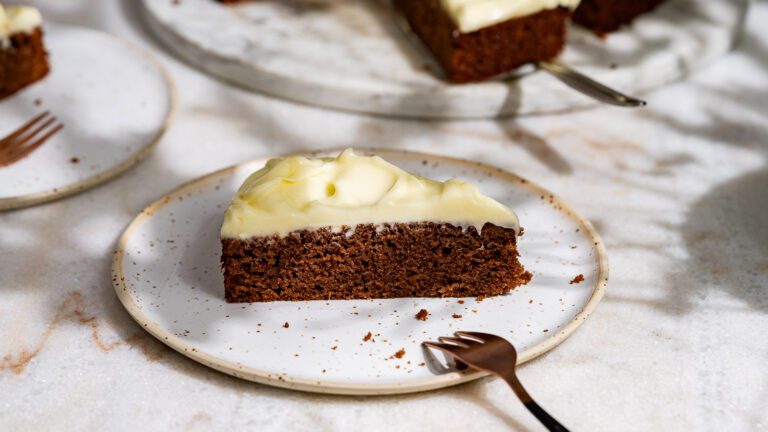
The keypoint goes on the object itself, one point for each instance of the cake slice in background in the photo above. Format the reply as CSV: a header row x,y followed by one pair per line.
x,y
358,227
605,16
23,59
478,39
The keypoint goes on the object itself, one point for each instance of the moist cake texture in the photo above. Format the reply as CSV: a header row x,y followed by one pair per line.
x,y
23,59
475,40
356,227
605,16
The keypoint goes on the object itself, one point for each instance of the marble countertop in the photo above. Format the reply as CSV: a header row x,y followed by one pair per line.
x,y
679,192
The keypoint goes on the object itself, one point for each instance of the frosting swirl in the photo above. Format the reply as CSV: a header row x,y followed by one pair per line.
x,y
472,15
296,193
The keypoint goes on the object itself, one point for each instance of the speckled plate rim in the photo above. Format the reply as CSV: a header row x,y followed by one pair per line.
x,y
339,387
54,194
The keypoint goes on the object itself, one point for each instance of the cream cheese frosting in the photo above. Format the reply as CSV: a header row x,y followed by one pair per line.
x,y
472,15
18,19
296,193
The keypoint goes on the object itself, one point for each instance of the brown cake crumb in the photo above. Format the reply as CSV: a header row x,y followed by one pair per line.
x,y
334,347
460,302
577,279
457,316
400,353
286,325
521,232
75,160
367,337
422,315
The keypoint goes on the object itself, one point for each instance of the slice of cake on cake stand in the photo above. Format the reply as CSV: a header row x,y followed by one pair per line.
x,y
605,16
358,227
478,39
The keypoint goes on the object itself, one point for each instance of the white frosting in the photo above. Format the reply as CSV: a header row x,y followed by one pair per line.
x,y
472,15
18,19
297,193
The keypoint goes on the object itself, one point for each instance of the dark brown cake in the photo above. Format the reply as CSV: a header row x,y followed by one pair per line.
x,y
23,62
605,16
398,260
490,51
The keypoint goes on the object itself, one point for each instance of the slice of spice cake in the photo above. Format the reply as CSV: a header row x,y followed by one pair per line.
x,y
605,16
23,59
358,227
478,39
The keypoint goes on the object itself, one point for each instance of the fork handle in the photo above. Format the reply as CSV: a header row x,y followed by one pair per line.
x,y
538,412
545,419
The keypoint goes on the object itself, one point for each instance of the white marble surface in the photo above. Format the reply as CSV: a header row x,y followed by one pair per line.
x,y
351,55
678,192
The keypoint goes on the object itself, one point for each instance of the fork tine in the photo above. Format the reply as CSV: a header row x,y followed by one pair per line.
x,y
31,135
26,126
45,137
463,343
22,150
450,349
476,336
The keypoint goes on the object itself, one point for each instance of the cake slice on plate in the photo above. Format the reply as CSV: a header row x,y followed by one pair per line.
x,y
358,227
23,59
478,39
605,16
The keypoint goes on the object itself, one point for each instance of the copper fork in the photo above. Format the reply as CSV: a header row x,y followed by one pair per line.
x,y
27,138
490,353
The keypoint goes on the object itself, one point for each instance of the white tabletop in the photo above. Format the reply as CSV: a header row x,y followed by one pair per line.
x,y
678,191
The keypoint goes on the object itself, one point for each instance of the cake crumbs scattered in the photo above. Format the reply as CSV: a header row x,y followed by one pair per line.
x,y
367,337
422,364
579,278
530,301
286,325
422,315
457,316
460,302
74,160
400,353
334,347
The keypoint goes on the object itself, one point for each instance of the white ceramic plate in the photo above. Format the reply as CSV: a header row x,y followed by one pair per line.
x,y
114,100
167,275
350,55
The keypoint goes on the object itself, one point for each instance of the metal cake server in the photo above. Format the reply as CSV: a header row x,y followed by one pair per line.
x,y
491,353
567,75
588,86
